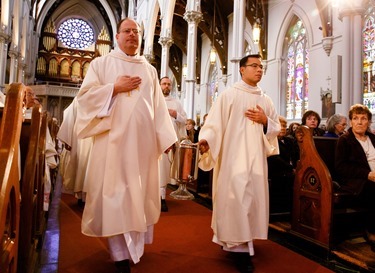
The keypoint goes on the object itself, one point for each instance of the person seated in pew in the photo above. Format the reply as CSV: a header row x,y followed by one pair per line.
x,y
336,125
355,164
50,151
312,120
281,169
190,131
291,131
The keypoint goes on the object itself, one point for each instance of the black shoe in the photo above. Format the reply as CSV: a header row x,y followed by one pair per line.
x,y
123,266
370,239
81,203
164,207
243,262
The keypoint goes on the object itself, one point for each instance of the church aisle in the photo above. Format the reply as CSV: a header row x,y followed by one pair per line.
x,y
182,243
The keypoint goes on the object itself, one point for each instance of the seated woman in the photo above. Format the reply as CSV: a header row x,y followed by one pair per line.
x,y
281,169
312,120
336,125
190,131
291,131
355,163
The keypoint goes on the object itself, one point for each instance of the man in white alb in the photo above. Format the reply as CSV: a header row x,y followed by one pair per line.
x,y
178,117
239,133
121,105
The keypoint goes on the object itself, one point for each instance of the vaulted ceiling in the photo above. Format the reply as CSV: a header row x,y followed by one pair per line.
x,y
213,11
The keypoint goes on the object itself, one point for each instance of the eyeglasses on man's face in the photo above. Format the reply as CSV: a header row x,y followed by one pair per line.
x,y
255,66
128,30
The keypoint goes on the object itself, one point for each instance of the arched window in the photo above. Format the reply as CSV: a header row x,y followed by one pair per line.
x,y
75,33
297,70
368,59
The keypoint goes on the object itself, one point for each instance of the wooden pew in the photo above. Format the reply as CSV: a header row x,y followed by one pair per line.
x,y
30,183
318,201
10,132
312,193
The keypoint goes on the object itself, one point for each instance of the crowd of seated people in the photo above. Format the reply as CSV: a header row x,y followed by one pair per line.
x,y
281,170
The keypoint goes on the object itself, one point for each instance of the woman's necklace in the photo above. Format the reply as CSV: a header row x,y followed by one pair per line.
x,y
365,145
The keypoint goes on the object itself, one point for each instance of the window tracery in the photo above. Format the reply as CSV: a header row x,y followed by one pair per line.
x,y
76,33
297,71
368,34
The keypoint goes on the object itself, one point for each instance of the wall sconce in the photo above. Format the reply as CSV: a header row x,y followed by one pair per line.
x,y
184,70
256,33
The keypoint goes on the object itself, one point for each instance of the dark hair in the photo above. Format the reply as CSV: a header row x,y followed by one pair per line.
x,y
360,109
118,26
243,61
310,113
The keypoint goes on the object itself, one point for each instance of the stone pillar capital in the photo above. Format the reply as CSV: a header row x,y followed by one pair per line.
x,y
192,16
149,57
165,41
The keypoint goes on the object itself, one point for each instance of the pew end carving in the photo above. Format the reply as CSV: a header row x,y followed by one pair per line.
x,y
312,193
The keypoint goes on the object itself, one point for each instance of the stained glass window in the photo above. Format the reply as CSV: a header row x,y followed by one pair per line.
x,y
297,71
368,59
212,92
76,33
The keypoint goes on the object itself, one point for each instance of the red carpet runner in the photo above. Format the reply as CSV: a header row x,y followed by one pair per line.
x,y
182,243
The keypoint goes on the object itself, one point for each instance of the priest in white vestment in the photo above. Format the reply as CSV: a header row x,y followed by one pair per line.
x,y
74,158
239,133
121,105
178,117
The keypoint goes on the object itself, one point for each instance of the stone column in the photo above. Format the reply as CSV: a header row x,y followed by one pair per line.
x,y
238,37
13,69
357,56
351,15
166,42
193,17
4,38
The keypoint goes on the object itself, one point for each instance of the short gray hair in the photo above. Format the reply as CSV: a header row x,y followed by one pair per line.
x,y
333,120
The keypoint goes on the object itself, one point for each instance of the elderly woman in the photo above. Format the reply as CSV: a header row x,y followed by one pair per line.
x,y
336,125
312,120
355,163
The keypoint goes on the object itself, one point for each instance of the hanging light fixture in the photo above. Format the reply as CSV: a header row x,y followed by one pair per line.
x,y
256,26
213,50
184,70
256,33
